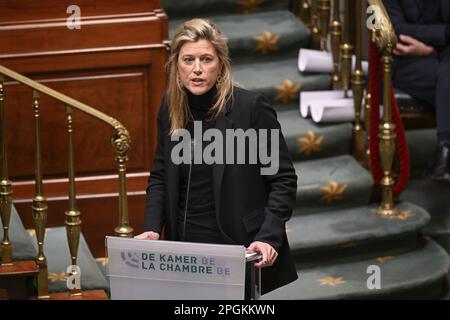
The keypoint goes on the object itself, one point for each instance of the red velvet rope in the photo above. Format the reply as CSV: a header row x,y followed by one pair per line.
x,y
402,145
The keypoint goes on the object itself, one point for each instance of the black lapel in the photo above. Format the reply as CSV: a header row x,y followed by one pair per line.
x,y
173,181
222,123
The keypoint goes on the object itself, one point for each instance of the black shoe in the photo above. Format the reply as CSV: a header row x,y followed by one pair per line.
x,y
440,168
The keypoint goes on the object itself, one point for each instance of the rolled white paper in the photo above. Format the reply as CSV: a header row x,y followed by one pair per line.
x,y
309,97
337,110
314,61
321,61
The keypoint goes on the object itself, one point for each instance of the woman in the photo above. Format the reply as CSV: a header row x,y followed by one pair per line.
x,y
231,203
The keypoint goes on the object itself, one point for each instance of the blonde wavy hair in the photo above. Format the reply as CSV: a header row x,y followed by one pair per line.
x,y
193,31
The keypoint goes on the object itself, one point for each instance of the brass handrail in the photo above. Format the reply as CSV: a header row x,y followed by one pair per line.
x,y
121,138
385,34
59,96
121,142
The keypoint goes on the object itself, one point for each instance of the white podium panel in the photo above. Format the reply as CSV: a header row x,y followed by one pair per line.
x,y
146,269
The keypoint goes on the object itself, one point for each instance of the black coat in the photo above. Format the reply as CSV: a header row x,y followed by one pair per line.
x,y
249,206
407,18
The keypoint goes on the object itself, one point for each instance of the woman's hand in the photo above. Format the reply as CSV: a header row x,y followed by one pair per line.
x,y
412,48
269,255
148,235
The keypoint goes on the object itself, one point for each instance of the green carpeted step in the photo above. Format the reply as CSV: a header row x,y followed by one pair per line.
x,y
279,80
421,144
56,250
289,34
195,8
102,263
354,232
331,184
415,274
307,140
434,200
22,246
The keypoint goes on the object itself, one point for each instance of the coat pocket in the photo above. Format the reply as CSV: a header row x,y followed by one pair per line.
x,y
253,220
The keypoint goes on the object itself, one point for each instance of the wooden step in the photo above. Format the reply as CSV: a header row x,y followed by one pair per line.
x,y
14,278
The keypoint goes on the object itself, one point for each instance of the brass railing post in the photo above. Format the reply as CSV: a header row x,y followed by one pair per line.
x,y
368,97
315,32
5,184
358,91
386,41
346,50
367,126
324,19
305,13
39,205
121,142
387,137
73,221
336,38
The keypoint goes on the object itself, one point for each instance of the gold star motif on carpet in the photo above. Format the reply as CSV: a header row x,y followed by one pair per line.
x,y
310,143
54,277
287,91
332,191
348,245
384,259
403,215
331,281
103,261
266,42
248,6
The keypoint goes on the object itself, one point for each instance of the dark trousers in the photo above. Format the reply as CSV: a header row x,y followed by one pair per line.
x,y
427,79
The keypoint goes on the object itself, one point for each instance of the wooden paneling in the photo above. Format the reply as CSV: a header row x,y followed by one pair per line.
x,y
16,11
92,34
109,90
114,63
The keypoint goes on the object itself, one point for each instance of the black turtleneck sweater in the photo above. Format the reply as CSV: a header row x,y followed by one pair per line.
x,y
201,223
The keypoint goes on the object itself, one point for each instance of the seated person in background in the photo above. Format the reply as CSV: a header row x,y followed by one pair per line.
x,y
421,65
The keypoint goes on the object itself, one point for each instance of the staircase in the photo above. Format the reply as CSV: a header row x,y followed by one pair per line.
x,y
43,262
57,252
335,235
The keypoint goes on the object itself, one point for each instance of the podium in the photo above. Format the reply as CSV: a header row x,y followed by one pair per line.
x,y
173,270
